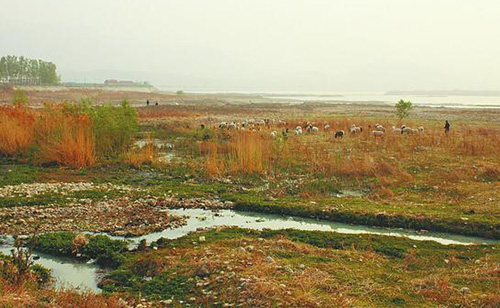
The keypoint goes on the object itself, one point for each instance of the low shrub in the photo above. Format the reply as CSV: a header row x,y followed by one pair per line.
x,y
57,243
107,251
113,127
102,244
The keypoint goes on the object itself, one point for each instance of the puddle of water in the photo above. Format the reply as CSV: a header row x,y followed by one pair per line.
x,y
160,144
67,272
350,193
166,157
163,155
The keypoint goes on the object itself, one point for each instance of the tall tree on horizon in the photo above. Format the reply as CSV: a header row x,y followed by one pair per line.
x,y
22,70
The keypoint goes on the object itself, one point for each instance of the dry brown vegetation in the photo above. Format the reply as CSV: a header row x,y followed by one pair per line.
x,y
146,155
354,156
27,295
16,130
243,154
59,137
64,138
284,270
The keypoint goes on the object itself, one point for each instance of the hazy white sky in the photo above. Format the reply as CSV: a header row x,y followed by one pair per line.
x,y
268,45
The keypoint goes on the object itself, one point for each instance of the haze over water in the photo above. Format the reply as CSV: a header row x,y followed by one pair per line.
x,y
455,101
264,45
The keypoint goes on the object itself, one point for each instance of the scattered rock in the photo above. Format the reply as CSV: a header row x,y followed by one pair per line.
x,y
202,271
241,249
120,216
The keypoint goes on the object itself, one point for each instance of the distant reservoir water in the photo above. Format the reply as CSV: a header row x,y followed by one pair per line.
x,y
471,100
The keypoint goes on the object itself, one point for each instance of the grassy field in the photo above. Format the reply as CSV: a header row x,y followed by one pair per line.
x,y
175,155
311,269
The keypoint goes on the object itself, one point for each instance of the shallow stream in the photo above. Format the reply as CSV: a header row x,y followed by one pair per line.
x,y
68,272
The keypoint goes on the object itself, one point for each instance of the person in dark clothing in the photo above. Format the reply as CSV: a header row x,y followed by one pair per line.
x,y
147,102
447,127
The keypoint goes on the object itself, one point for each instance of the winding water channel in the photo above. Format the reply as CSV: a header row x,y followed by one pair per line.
x,y
68,272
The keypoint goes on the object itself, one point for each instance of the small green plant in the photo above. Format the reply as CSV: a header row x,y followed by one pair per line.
x,y
20,98
180,92
403,109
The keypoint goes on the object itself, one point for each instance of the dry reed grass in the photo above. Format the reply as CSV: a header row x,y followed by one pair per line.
x,y
16,130
58,137
64,139
245,153
147,155
28,295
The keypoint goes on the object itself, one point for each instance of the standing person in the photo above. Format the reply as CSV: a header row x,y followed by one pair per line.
x,y
147,102
447,127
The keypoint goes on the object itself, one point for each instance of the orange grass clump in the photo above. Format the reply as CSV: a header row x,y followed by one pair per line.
x,y
250,154
245,153
16,130
28,295
65,139
148,154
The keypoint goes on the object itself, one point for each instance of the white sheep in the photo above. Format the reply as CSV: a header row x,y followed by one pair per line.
x,y
405,130
377,133
379,127
232,125
222,125
314,130
396,130
298,131
273,134
355,129
326,127
421,129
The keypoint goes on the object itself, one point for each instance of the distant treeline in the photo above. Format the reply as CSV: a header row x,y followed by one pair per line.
x,y
24,71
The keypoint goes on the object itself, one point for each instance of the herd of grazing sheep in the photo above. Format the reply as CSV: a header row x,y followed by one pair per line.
x,y
310,128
